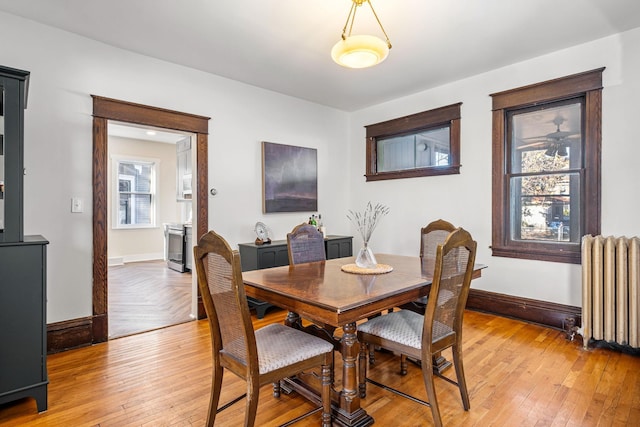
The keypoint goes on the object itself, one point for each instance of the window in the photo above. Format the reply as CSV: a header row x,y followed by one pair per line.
x,y
423,144
546,162
135,193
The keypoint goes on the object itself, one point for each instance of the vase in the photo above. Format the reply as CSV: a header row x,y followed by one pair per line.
x,y
365,258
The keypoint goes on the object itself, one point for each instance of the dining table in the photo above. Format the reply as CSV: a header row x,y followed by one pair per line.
x,y
327,295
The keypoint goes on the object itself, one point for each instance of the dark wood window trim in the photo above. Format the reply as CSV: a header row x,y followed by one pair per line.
x,y
587,85
105,109
444,116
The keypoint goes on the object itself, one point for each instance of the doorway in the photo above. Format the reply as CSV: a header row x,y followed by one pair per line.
x,y
105,109
148,216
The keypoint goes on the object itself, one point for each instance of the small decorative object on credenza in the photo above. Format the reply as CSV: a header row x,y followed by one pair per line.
x,y
262,231
366,222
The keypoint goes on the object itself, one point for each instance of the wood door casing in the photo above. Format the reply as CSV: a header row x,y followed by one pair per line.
x,y
105,109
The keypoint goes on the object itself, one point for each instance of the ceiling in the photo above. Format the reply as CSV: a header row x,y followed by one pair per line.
x,y
284,45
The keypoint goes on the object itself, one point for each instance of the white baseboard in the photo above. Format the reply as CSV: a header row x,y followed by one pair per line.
x,y
121,260
117,260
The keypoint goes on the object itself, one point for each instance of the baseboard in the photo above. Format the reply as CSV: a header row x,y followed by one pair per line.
x,y
117,260
121,260
69,334
156,256
558,316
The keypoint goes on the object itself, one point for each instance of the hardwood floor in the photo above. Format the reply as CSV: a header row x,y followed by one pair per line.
x,y
518,375
147,295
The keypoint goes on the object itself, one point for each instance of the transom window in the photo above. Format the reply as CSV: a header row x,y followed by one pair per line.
x,y
418,150
135,193
546,160
423,144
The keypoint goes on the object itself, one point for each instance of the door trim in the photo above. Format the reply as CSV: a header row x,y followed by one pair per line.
x,y
105,109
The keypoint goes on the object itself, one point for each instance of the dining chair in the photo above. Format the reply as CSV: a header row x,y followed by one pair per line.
x,y
422,336
259,357
306,244
434,234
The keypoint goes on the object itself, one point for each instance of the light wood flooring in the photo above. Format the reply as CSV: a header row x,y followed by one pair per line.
x,y
518,375
147,295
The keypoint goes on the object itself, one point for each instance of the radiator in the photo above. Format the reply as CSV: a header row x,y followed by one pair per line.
x,y
610,290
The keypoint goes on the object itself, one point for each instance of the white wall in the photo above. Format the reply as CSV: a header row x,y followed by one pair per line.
x,y
67,69
465,199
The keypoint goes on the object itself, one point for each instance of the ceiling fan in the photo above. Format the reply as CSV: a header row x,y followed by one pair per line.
x,y
555,142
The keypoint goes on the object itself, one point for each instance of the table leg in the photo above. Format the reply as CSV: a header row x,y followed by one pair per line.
x,y
293,320
440,364
350,413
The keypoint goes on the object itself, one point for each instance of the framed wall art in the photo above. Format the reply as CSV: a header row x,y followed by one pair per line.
x,y
289,178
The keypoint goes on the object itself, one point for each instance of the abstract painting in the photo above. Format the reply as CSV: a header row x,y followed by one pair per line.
x,y
289,178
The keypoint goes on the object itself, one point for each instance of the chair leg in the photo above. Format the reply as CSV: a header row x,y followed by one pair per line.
x,y
216,387
326,395
253,393
333,368
427,375
403,364
276,389
362,371
462,383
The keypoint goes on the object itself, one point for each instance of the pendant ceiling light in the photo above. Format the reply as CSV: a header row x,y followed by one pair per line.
x,y
360,51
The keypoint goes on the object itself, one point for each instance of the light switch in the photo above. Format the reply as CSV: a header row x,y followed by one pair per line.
x,y
77,205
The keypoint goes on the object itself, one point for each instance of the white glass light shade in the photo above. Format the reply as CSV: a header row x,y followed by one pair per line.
x,y
360,51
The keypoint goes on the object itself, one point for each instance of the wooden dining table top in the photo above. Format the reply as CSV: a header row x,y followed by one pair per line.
x,y
323,292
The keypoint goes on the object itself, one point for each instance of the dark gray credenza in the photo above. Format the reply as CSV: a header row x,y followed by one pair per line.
x,y
23,327
275,254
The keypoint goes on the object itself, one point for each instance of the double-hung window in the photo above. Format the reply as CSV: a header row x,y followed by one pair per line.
x,y
135,193
546,168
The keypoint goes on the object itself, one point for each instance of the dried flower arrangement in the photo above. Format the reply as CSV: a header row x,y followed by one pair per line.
x,y
367,221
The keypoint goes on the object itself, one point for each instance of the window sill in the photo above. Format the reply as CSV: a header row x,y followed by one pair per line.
x,y
135,227
558,255
414,173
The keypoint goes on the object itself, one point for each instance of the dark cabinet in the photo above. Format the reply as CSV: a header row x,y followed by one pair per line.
x,y
338,247
257,257
23,273
275,254
13,89
23,327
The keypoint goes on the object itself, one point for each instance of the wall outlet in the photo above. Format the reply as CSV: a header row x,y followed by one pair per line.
x,y
77,206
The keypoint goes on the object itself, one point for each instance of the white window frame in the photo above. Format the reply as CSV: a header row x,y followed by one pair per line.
x,y
116,160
